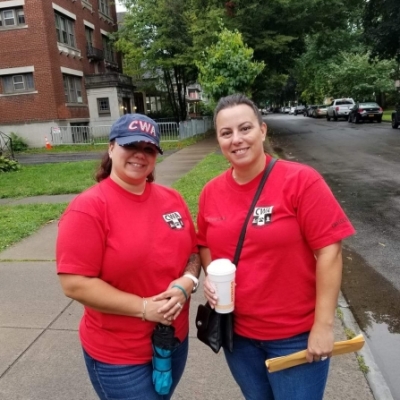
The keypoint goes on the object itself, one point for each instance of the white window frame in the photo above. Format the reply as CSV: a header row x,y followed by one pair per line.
x,y
103,111
72,89
15,80
108,49
16,12
104,7
65,28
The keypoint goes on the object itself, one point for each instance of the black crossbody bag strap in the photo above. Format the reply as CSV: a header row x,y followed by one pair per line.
x,y
253,204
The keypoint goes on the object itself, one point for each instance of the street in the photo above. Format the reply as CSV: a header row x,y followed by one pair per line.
x,y
361,164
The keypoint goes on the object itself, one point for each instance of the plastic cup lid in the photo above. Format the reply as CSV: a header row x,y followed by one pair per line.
x,y
221,266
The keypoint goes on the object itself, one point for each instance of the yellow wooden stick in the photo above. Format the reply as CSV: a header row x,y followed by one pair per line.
x,y
291,360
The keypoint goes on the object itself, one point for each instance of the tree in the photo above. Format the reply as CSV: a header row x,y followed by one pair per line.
x,y
382,28
358,76
227,67
277,31
154,39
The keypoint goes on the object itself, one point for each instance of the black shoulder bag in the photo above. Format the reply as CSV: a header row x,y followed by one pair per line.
x,y
214,329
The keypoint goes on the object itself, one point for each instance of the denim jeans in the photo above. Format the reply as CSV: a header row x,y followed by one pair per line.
x,y
247,365
132,382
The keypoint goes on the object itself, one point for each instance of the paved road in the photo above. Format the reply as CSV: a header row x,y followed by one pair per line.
x,y
361,163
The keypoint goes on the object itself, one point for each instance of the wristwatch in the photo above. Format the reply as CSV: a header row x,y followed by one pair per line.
x,y
195,281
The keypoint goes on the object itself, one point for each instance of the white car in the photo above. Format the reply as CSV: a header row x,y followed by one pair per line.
x,y
287,110
339,108
291,110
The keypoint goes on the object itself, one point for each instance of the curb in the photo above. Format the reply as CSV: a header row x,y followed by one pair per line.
x,y
374,377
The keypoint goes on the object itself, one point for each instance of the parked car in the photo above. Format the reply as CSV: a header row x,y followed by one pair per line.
x,y
369,111
339,108
396,118
319,111
309,110
291,110
287,110
299,109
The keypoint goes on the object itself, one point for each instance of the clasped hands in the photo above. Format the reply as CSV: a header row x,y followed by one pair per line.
x,y
166,306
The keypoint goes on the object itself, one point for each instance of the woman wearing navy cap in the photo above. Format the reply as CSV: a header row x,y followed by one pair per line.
x,y
126,250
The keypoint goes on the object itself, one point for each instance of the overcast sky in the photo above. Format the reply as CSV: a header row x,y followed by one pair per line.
x,y
119,7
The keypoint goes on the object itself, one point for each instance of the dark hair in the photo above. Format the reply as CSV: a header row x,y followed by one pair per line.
x,y
104,169
236,100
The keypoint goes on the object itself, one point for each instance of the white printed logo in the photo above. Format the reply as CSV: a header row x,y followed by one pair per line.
x,y
262,215
174,220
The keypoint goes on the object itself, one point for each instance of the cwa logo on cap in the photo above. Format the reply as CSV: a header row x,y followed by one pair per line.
x,y
132,128
142,126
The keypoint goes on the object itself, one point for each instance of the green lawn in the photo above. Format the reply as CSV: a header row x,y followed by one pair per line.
x,y
387,115
21,221
57,178
64,148
191,184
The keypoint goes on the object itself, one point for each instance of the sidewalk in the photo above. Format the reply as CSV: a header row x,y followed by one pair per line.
x,y
40,355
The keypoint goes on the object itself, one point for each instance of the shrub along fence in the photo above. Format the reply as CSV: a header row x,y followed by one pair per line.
x,y
170,132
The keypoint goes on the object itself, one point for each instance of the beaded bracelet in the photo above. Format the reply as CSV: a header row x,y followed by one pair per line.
x,y
181,289
144,309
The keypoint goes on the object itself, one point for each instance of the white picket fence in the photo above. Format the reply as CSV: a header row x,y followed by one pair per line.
x,y
170,131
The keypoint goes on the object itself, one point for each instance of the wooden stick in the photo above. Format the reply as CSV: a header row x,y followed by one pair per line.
x,y
291,360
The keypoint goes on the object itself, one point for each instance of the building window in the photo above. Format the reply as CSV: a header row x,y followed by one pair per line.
x,y
103,106
18,83
104,7
108,49
153,104
89,36
72,89
12,17
65,30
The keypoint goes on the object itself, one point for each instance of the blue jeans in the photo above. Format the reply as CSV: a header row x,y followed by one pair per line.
x,y
132,382
247,365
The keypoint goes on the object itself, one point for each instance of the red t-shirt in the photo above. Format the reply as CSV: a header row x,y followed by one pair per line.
x,y
136,243
275,280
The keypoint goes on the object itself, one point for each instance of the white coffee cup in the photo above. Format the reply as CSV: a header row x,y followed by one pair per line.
x,y
221,274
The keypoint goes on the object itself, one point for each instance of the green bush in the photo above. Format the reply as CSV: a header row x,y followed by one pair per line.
x,y
17,143
7,165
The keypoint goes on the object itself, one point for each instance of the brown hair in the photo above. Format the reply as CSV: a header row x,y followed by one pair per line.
x,y
236,100
104,169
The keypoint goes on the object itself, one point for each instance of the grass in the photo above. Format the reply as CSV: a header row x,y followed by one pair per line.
x,y
76,148
18,222
387,115
191,184
48,179
363,367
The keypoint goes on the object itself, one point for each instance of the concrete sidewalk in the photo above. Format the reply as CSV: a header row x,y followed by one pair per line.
x,y
40,354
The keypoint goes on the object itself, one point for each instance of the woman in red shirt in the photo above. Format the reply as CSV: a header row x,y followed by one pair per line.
x,y
126,250
289,273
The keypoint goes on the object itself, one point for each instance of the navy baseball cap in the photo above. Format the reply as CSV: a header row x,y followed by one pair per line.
x,y
132,128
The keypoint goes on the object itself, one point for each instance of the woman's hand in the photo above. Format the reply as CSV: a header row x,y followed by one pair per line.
x,y
175,296
320,343
209,293
152,313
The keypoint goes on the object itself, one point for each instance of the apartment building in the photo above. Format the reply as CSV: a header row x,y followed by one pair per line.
x,y
57,67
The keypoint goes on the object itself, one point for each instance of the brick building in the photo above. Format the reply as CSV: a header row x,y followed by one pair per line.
x,y
57,67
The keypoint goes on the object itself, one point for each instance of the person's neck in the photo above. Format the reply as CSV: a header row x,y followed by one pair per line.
x,y
137,189
248,173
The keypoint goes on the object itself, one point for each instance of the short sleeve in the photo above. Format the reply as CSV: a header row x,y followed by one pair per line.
x,y
321,218
80,244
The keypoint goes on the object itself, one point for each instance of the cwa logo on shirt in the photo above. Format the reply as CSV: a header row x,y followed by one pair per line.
x,y
262,215
174,220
